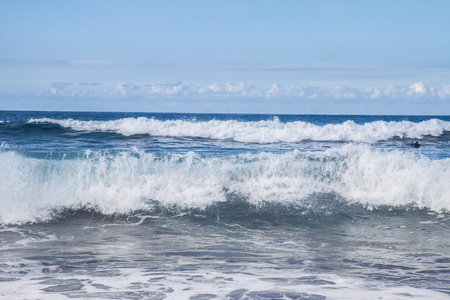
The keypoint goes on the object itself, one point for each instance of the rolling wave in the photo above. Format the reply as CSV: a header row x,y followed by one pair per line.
x,y
126,182
272,131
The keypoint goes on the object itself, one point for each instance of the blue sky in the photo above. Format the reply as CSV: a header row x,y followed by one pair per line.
x,y
343,57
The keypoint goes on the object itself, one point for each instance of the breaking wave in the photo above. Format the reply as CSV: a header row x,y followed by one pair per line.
x,y
271,131
125,182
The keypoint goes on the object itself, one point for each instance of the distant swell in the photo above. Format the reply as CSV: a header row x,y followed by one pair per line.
x,y
125,182
261,131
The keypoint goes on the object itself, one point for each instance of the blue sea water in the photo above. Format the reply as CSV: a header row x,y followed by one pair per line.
x,y
223,206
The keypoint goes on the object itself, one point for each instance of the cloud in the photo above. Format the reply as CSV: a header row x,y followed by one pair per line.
x,y
444,92
417,89
373,93
394,91
226,89
345,92
125,90
165,89
59,88
273,91
242,90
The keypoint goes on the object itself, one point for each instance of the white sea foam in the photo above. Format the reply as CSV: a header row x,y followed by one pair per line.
x,y
124,182
220,285
262,131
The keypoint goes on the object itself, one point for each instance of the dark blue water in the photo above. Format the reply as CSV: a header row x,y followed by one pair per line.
x,y
203,206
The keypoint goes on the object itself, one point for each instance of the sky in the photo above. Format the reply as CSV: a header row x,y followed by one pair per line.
x,y
284,56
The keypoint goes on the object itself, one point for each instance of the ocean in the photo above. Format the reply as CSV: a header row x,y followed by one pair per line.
x,y
223,206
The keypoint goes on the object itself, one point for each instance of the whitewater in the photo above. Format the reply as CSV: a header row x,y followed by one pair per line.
x,y
267,131
212,206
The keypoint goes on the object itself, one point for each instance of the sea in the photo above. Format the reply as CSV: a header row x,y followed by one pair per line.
x,y
97,205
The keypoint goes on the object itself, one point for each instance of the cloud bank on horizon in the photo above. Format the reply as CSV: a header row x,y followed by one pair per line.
x,y
243,91
388,57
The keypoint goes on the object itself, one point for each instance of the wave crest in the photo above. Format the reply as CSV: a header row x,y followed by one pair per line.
x,y
131,181
271,131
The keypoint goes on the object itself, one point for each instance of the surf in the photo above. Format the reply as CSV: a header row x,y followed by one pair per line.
x,y
264,131
124,182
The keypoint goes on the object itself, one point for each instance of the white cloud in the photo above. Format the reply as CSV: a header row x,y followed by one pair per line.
x,y
273,91
165,89
296,91
59,88
125,89
444,92
417,89
243,90
394,91
227,89
375,93
341,91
